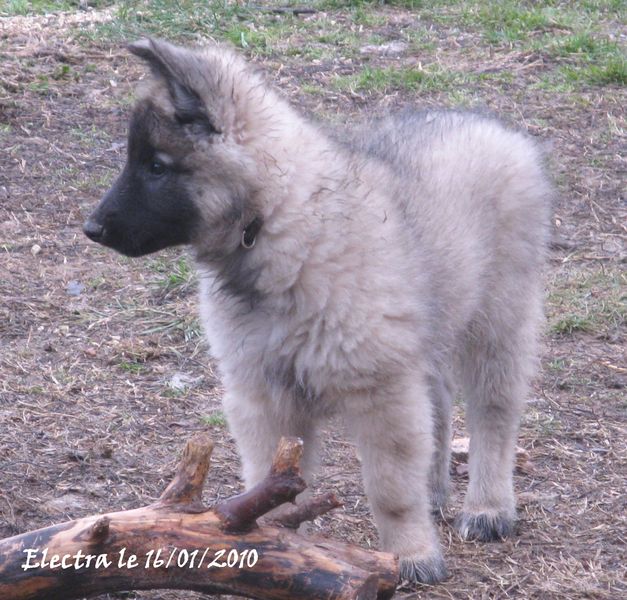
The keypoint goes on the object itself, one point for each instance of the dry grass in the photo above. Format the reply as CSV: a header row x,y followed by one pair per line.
x,y
92,415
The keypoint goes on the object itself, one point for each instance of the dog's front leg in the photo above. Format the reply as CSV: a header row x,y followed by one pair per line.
x,y
392,426
257,427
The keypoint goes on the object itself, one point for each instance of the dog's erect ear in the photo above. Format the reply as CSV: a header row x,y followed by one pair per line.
x,y
156,54
172,64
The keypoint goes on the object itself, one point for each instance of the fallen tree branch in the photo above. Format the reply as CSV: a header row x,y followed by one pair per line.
x,y
240,513
177,543
308,510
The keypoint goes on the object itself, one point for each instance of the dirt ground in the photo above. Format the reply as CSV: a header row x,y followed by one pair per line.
x,y
104,373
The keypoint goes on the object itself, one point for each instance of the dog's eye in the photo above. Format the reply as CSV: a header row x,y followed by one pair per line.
x,y
157,167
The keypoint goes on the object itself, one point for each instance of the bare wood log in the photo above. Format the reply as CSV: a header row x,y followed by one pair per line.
x,y
176,543
460,448
308,510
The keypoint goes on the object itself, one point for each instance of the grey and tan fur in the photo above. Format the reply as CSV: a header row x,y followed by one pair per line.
x,y
364,277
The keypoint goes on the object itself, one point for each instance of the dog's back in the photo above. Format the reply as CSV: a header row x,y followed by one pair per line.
x,y
477,196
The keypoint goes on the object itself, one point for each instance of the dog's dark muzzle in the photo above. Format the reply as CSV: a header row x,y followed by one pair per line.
x,y
94,231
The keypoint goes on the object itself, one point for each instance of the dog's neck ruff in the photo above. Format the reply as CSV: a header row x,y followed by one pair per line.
x,y
249,235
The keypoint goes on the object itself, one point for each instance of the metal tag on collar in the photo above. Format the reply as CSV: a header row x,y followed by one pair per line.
x,y
246,241
249,235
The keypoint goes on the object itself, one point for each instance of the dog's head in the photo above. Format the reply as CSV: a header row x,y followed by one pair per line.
x,y
191,172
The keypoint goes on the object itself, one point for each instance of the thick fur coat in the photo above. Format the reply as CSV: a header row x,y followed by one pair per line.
x,y
365,275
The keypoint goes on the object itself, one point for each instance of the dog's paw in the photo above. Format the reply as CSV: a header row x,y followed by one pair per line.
x,y
485,527
430,570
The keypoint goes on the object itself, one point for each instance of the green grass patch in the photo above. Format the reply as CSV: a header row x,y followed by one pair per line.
x,y
591,59
569,324
245,25
11,8
309,52
592,302
338,38
189,20
96,282
367,18
313,90
40,86
580,43
246,37
99,181
215,419
610,71
174,275
181,275
35,390
89,134
507,21
421,40
585,59
617,7
62,72
132,367
384,80
362,4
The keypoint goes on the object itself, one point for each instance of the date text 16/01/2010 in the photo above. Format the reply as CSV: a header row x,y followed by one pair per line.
x,y
152,559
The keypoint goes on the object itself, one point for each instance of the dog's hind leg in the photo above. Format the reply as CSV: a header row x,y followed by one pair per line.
x,y
497,364
441,395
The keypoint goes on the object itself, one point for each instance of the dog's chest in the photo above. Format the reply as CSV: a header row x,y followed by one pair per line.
x,y
324,338
306,360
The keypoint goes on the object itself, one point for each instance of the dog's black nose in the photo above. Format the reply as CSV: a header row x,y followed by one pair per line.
x,y
93,230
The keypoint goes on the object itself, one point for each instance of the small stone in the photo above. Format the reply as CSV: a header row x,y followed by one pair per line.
x,y
180,381
74,288
459,449
461,446
35,249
